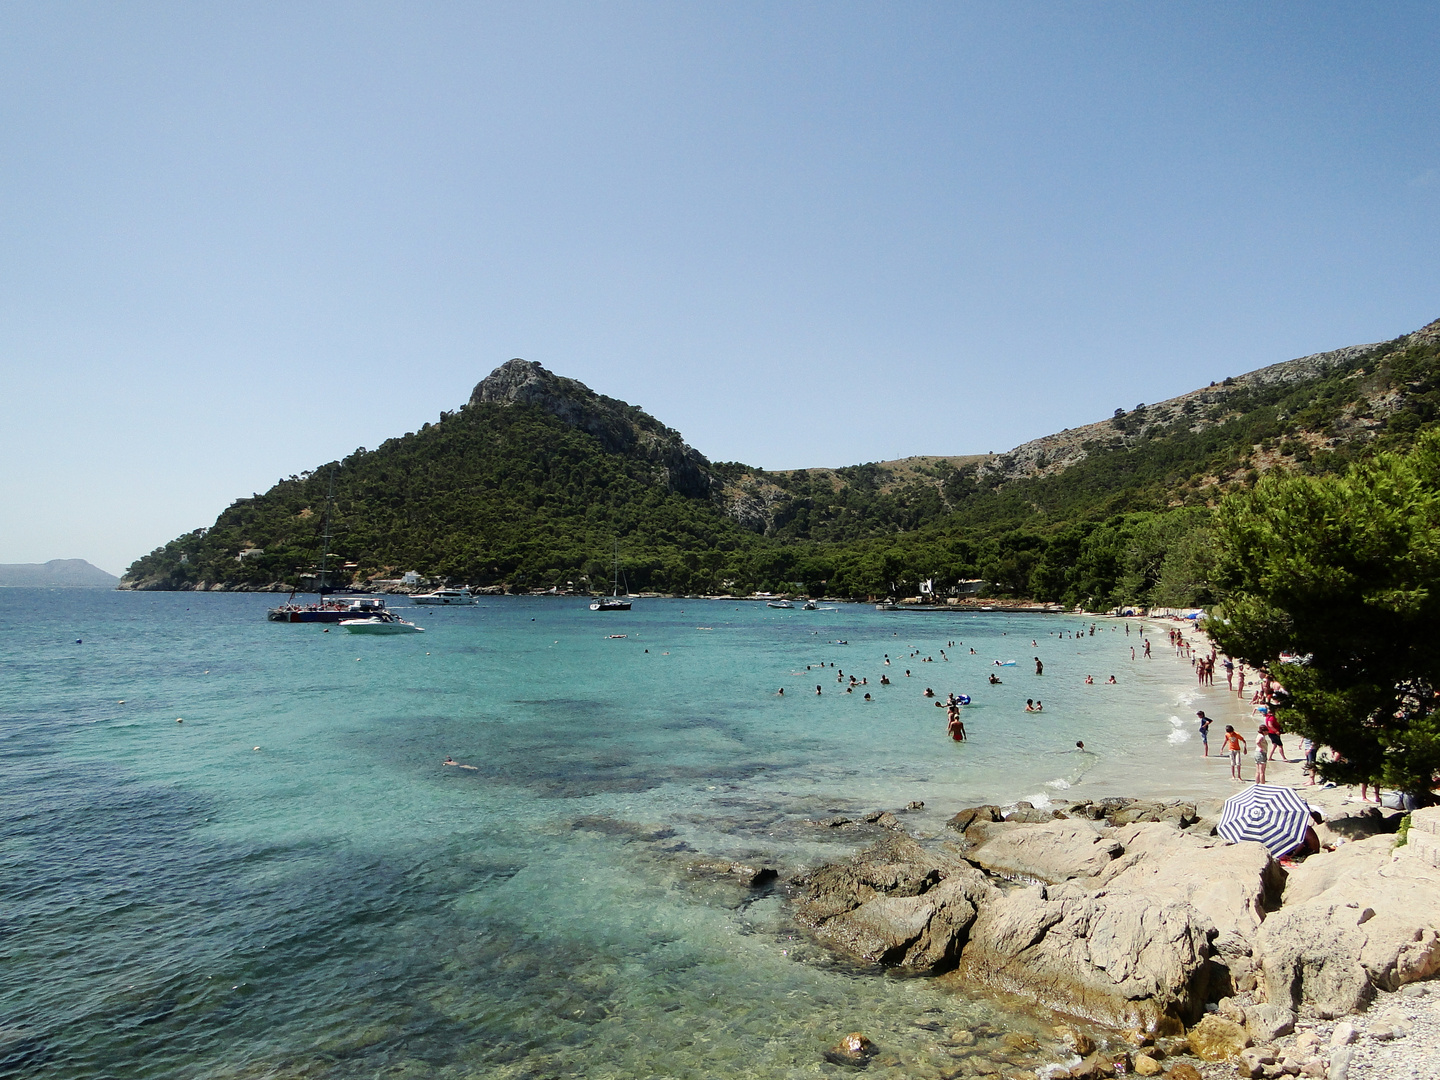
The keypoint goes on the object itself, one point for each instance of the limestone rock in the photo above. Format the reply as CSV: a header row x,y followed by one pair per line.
x,y
965,818
895,904
1052,852
1374,927
1423,841
1340,1063
1252,1061
853,1049
1100,955
1145,1065
1183,1070
1266,1023
1344,1034
1217,1039
1077,1041
1093,1067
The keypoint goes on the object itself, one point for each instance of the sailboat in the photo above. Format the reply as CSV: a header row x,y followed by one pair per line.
x,y
613,602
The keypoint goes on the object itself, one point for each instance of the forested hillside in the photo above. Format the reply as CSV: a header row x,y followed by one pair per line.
x,y
532,482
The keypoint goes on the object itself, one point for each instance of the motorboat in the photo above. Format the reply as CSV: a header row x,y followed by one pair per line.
x,y
327,611
779,603
446,596
385,622
812,605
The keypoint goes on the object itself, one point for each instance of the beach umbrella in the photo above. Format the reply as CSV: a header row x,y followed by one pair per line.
x,y
1275,816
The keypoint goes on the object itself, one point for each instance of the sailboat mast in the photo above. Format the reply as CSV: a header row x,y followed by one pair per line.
x,y
325,541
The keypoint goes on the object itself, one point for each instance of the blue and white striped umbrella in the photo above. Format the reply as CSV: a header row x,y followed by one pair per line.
x,y
1275,816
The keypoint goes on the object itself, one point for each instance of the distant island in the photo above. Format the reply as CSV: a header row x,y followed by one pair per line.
x,y
531,484
56,574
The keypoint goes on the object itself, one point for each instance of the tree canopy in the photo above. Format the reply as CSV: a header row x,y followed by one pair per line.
x,y
1341,574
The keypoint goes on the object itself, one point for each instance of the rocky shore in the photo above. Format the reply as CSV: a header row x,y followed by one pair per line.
x,y
1202,957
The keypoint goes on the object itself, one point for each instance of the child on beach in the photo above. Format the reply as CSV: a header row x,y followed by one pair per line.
x,y
1234,745
1205,723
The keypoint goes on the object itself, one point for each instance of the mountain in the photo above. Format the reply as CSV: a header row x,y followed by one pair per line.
x,y
57,573
532,481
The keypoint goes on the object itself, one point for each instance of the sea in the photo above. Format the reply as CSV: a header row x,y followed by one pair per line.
x,y
231,847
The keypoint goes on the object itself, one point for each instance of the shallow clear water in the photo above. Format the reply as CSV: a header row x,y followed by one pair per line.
x,y
290,883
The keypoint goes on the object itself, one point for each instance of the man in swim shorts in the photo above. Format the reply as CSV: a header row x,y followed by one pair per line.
x,y
1234,745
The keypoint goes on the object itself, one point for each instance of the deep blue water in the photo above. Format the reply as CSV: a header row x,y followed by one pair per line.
x,y
290,883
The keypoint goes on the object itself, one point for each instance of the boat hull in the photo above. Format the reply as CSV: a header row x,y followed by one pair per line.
x,y
610,605
381,626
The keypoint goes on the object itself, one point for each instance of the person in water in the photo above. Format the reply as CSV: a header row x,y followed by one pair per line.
x,y
817,688
1029,704
929,692
1205,723
1039,667
1111,681
994,679
1039,705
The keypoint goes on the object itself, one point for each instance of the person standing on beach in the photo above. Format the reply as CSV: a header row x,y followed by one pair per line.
x,y
1205,723
1272,732
1261,754
1147,648
1229,673
1234,745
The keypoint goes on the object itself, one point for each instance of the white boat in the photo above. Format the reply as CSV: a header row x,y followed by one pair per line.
x,y
812,605
446,596
779,603
384,623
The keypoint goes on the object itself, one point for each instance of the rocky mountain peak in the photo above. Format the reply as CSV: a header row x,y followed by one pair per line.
x,y
621,428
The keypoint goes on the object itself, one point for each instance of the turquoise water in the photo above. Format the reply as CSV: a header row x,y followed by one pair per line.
x,y
290,883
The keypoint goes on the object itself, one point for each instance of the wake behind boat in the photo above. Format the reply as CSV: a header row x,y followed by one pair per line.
x,y
383,623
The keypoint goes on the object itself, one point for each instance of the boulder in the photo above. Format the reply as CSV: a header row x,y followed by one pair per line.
x,y
965,818
1266,1023
1371,925
1216,1039
1183,1070
895,904
1100,955
1052,852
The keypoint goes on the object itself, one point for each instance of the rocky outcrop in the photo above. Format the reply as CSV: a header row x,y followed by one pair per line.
x,y
1104,955
619,427
1051,852
895,904
1362,920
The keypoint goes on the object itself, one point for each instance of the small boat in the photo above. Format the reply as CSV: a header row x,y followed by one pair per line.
x,y
888,605
446,596
383,623
812,605
779,603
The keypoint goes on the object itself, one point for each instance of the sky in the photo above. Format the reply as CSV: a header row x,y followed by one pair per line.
x,y
239,241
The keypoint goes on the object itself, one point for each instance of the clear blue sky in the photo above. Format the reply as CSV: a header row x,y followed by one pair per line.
x,y
239,240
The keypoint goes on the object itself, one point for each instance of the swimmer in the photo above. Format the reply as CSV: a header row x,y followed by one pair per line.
x,y
867,697
449,761
1039,705
817,688
994,679
1111,681
929,692
884,680
1089,680
1079,746
780,692
1029,705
